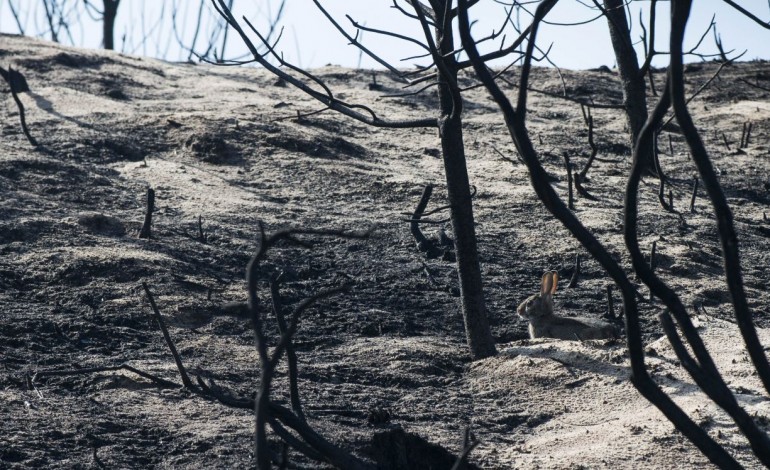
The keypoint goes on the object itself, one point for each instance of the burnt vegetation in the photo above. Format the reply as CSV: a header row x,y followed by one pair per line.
x,y
335,285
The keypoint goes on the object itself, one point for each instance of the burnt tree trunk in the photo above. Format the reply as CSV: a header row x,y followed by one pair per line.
x,y
474,310
634,98
108,22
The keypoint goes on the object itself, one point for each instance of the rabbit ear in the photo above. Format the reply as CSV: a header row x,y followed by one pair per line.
x,y
555,281
545,286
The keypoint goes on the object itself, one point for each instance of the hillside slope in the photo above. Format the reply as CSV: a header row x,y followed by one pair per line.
x,y
223,146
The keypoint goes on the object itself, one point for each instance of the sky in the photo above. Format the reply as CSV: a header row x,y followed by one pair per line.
x,y
309,40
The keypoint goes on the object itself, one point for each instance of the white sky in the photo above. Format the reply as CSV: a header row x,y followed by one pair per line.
x,y
310,41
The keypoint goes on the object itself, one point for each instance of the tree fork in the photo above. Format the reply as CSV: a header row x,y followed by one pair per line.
x,y
634,98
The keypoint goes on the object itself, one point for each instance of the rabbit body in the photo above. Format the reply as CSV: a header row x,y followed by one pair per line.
x,y
543,323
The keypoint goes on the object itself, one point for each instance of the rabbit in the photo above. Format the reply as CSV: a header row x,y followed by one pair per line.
x,y
538,310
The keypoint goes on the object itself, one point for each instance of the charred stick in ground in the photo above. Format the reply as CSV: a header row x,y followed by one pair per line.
x,y
146,231
18,84
573,282
291,355
570,197
694,193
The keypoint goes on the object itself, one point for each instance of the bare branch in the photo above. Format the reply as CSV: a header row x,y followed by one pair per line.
x,y
90,370
356,43
162,325
703,87
331,102
291,355
18,84
747,13
386,33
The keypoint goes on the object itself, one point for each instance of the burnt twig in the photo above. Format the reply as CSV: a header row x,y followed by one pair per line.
x,y
162,325
745,135
570,196
423,244
90,370
291,355
146,231
589,120
668,206
469,443
725,226
326,97
694,193
653,263
264,409
748,135
18,84
575,274
724,139
201,235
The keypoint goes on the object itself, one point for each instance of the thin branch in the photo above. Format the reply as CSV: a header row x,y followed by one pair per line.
x,y
333,103
17,84
356,43
291,355
386,33
162,325
703,87
747,13
90,370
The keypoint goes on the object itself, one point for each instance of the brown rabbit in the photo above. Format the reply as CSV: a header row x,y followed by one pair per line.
x,y
538,310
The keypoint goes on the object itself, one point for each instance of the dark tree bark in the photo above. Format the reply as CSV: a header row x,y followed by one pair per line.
x,y
474,310
108,22
634,98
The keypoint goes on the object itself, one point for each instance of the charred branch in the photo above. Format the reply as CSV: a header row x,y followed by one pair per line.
x,y
573,282
667,205
201,234
714,386
291,355
745,135
166,336
262,405
326,96
701,88
18,84
423,243
694,193
649,46
159,381
570,196
354,41
748,14
589,120
146,231
610,303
